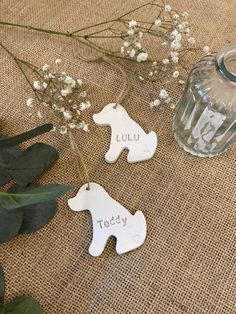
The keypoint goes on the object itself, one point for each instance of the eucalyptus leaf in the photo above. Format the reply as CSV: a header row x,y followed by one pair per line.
x,y
36,215
23,305
35,195
18,139
2,309
7,155
10,223
32,162
1,286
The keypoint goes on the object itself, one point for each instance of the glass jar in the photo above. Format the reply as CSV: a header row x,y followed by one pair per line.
x,y
205,119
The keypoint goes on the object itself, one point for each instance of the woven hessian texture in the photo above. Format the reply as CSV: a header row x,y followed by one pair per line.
x,y
188,262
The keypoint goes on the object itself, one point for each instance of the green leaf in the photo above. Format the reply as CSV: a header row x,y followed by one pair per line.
x,y
7,155
1,286
32,196
2,309
35,216
23,305
32,162
18,139
10,223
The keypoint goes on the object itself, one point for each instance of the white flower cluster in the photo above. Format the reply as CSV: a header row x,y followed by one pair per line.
x,y
59,99
132,46
164,98
173,29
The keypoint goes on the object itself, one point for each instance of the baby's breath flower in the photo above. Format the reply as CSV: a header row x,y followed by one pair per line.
x,y
45,67
45,85
175,44
130,32
132,53
67,115
140,34
168,8
29,102
142,56
175,74
173,105
206,49
79,81
37,85
174,54
84,126
58,61
175,59
168,100
158,22
83,94
70,81
163,94
84,105
156,103
66,91
176,16
132,24
72,125
39,114
138,45
165,61
174,34
185,15
63,130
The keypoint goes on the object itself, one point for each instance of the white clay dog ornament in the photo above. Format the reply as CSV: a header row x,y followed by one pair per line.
x,y
109,219
125,134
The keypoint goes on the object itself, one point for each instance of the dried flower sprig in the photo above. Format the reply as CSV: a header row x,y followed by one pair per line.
x,y
60,99
170,31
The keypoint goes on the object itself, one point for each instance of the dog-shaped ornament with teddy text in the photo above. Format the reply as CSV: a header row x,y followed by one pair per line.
x,y
125,134
109,219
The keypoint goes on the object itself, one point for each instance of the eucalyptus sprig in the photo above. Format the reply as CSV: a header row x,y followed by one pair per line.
x,y
26,207
23,304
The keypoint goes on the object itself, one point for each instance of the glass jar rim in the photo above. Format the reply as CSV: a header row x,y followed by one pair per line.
x,y
224,60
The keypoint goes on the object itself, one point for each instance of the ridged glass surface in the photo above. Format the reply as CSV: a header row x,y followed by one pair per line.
x,y
205,119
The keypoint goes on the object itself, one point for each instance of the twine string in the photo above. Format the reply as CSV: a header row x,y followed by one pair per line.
x,y
79,161
126,85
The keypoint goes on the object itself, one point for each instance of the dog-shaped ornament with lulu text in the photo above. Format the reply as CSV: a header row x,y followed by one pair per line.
x,y
109,218
125,134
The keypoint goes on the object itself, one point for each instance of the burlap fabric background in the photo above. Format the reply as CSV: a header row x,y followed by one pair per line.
x,y
188,262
